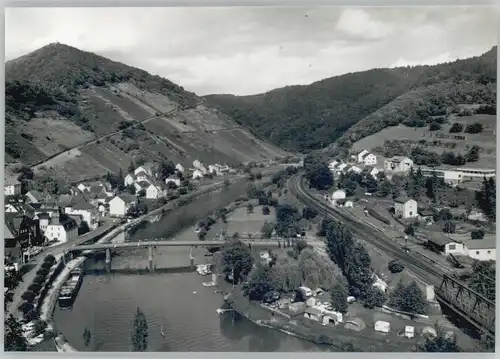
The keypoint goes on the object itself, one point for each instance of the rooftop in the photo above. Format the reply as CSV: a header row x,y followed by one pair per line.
x,y
402,199
488,242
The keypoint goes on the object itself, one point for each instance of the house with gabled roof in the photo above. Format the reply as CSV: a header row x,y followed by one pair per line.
x,y
89,213
147,168
62,228
120,204
141,185
370,171
34,196
20,209
12,186
156,190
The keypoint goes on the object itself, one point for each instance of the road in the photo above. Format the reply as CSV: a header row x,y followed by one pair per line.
x,y
61,248
167,243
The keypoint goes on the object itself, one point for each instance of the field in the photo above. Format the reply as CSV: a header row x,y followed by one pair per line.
x,y
194,133
485,140
243,222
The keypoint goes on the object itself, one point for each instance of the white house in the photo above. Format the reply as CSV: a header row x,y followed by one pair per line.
x,y
148,168
355,169
398,164
43,221
213,169
154,191
337,195
455,248
83,187
120,204
61,229
197,174
179,168
89,213
129,179
449,176
482,249
173,179
142,176
141,185
368,159
12,187
371,171
332,165
406,207
199,166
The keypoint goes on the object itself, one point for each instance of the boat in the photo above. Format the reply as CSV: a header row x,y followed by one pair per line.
x,y
70,288
203,269
161,331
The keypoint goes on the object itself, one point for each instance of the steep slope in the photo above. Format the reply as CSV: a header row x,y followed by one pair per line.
x,y
310,117
80,115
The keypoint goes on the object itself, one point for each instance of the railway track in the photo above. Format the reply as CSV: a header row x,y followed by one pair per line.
x,y
421,266
424,269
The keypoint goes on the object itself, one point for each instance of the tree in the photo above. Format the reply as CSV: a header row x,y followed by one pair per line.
x,y
165,169
286,219
139,332
410,230
87,336
374,298
483,278
441,343
131,166
385,188
266,211
486,198
339,293
408,298
395,267
236,259
449,227
249,208
309,213
477,234
14,340
318,174
474,128
434,126
456,128
473,154
267,230
260,282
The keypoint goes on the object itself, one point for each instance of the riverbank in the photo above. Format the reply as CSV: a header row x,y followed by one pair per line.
x,y
335,338
49,302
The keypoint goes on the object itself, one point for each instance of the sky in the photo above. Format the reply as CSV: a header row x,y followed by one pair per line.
x,y
251,50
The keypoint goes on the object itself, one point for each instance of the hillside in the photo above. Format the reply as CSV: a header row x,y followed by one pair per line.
x,y
313,116
77,115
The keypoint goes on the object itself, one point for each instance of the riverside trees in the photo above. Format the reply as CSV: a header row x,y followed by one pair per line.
x,y
139,336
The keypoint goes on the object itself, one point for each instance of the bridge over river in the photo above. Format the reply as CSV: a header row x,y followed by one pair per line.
x,y
152,244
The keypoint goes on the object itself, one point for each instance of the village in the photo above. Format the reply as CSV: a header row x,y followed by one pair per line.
x,y
37,219
454,228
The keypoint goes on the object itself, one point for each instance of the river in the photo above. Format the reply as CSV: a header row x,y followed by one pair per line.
x,y
178,302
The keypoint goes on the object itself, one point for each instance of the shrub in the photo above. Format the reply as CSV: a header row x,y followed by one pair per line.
x,y
50,259
434,126
456,128
32,315
395,267
474,128
28,296
43,272
46,265
26,307
35,288
39,279
477,234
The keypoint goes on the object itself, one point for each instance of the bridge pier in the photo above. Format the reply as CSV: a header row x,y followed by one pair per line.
x,y
108,259
191,258
151,265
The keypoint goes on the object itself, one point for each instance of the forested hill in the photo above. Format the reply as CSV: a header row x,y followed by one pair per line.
x,y
311,117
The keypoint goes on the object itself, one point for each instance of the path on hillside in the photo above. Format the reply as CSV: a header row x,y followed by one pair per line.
x,y
75,149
